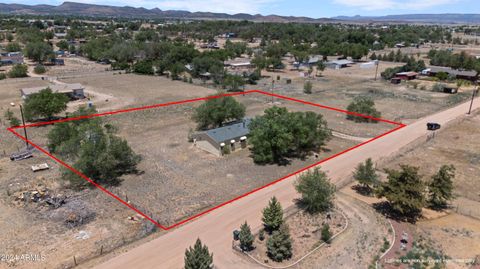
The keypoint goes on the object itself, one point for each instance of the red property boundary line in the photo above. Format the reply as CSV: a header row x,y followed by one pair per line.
x,y
12,130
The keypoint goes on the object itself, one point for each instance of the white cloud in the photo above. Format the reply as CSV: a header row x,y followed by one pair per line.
x,y
393,4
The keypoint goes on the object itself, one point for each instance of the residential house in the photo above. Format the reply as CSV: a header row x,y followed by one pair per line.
x,y
232,136
73,91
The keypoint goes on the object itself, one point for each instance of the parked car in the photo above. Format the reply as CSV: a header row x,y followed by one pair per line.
x,y
432,126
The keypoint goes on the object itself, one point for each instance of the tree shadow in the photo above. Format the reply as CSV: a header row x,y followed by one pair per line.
x,y
388,211
363,190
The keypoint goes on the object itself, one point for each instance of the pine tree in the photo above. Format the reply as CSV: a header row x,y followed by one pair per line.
x,y
366,175
404,191
326,234
279,245
198,257
441,187
273,215
246,237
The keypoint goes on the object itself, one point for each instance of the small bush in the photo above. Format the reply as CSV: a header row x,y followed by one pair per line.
x,y
18,71
39,69
261,235
438,87
226,150
307,87
3,76
326,234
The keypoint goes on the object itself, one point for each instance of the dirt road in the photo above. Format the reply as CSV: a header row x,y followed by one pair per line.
x,y
215,229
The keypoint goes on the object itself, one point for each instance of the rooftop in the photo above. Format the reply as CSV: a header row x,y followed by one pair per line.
x,y
230,131
467,73
340,62
60,88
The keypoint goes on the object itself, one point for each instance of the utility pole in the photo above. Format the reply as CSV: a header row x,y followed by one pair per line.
x,y
273,85
377,62
473,97
24,128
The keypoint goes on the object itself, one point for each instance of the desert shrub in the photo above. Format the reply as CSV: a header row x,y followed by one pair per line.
x,y
438,87
39,69
18,71
363,105
307,87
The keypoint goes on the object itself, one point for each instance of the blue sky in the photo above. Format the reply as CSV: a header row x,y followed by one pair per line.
x,y
310,8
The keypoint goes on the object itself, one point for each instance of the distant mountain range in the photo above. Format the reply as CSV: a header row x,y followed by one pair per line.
x,y
89,10
425,18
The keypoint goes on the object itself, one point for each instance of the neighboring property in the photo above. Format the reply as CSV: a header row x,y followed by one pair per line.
x,y
238,63
10,58
74,91
459,74
338,64
406,75
231,136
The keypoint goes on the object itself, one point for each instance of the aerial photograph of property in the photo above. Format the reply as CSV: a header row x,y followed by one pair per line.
x,y
216,134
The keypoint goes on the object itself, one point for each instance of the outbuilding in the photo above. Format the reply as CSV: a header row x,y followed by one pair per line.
x,y
231,136
73,91
338,64
406,75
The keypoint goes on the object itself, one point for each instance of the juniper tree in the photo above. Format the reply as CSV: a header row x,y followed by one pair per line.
x,y
273,215
198,257
366,175
404,191
316,190
326,234
279,245
216,111
441,187
246,237
365,106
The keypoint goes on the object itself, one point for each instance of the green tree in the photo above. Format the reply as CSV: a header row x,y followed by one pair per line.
x,y
440,187
326,234
279,245
316,190
272,215
216,111
143,67
13,47
320,68
63,45
45,104
198,257
39,69
246,237
279,134
366,175
307,87
94,148
233,82
404,191
18,71
38,51
365,106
